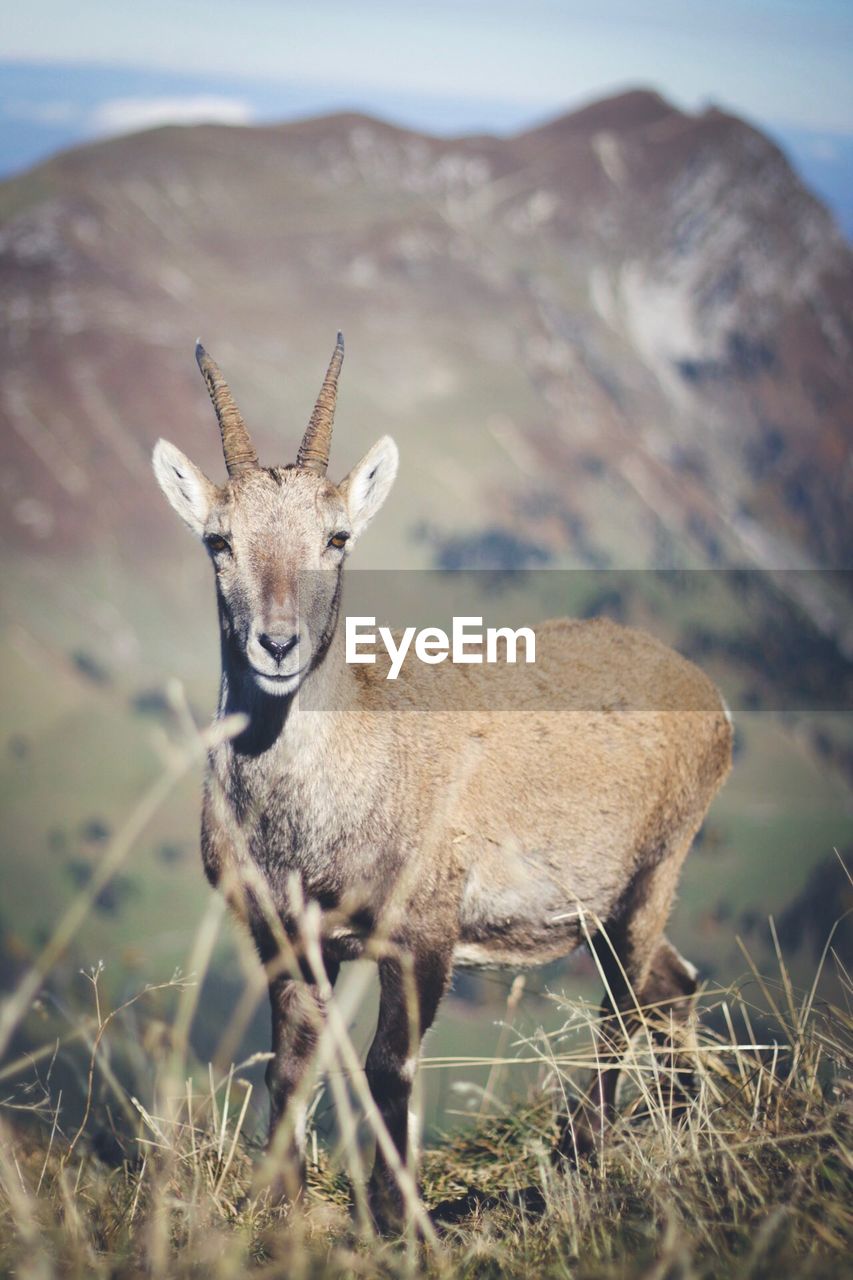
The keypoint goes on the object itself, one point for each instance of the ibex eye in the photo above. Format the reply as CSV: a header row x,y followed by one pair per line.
x,y
216,543
338,540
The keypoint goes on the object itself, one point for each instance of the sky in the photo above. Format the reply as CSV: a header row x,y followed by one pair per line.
x,y
68,72
778,60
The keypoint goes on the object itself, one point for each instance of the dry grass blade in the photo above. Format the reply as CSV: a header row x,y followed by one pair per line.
x,y
16,1005
753,1182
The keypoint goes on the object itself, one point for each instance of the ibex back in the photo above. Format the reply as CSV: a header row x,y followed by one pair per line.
x,y
461,836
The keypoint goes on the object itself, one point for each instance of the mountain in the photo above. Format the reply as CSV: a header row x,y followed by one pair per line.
x,y
624,336
621,339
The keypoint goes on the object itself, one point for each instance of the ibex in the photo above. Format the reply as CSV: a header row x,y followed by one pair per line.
x,y
466,836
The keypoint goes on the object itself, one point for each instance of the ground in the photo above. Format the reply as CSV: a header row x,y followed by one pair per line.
x,y
755,1180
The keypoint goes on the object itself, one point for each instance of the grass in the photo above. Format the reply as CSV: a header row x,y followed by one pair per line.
x,y
754,1182
159,1168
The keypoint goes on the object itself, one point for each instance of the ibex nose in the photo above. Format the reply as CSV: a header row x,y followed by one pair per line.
x,y
278,646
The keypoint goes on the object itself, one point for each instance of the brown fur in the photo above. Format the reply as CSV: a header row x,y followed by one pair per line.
x,y
410,813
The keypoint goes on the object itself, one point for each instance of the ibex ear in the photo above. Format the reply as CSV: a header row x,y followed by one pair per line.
x,y
188,489
369,483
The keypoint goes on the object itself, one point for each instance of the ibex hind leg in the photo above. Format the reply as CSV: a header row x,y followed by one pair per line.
x,y
646,982
667,999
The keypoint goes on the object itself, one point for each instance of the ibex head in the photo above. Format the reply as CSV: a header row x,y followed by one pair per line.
x,y
267,529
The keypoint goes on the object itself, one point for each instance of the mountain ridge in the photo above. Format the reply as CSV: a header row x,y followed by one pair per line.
x,y
661,273
597,347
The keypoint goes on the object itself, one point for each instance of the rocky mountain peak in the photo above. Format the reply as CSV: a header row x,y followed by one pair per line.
x,y
631,289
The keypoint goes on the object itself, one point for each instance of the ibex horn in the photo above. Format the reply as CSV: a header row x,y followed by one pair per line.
x,y
313,453
237,444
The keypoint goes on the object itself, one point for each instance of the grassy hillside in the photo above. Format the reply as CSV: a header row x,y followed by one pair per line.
x,y
166,1176
88,727
619,342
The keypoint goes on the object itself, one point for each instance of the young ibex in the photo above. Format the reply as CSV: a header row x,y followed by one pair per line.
x,y
465,836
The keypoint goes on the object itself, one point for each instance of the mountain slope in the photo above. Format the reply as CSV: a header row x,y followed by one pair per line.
x,y
621,339
629,308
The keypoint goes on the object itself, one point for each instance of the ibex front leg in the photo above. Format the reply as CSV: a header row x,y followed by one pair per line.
x,y
410,996
298,1015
